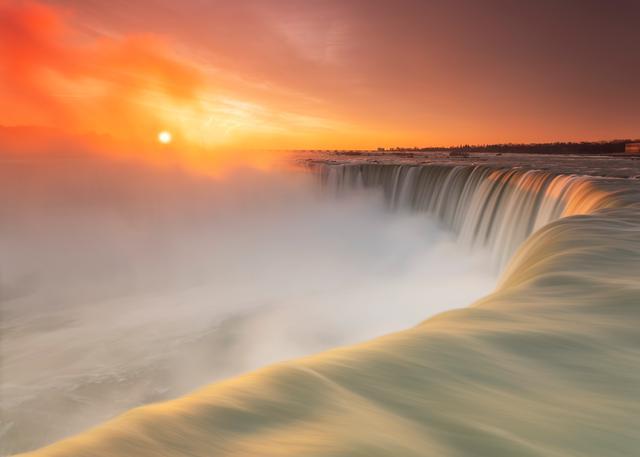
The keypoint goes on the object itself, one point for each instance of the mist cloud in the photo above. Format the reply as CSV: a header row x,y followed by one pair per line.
x,y
125,283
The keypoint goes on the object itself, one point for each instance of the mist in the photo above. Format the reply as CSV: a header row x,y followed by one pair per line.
x,y
124,283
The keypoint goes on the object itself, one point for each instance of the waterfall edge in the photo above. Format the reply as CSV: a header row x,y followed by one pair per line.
x,y
548,364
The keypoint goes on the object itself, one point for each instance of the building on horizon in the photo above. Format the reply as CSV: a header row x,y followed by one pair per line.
x,y
632,148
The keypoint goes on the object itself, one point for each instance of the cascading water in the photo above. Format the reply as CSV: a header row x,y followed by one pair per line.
x,y
496,208
547,365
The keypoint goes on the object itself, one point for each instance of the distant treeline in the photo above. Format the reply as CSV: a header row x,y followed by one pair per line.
x,y
594,148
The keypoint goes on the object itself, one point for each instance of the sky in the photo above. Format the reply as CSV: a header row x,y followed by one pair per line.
x,y
281,74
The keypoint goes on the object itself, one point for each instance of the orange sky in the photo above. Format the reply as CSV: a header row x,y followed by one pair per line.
x,y
323,74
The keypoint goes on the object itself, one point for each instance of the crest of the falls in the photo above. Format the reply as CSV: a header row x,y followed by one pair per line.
x,y
547,365
497,208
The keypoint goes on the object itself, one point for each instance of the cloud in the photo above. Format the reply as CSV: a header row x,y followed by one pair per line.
x,y
329,74
54,76
60,72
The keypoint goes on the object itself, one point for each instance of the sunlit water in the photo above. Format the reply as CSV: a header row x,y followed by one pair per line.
x,y
182,280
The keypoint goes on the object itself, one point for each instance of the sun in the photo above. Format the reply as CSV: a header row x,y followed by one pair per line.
x,y
164,137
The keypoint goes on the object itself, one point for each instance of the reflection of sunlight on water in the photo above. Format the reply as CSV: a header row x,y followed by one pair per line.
x,y
495,209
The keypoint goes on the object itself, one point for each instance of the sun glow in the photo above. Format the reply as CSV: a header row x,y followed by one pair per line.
x,y
164,137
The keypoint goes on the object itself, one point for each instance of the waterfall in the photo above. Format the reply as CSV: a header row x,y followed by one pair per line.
x,y
483,206
546,365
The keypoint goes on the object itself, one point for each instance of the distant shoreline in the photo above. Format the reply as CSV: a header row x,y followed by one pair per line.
x,y
612,148
613,165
